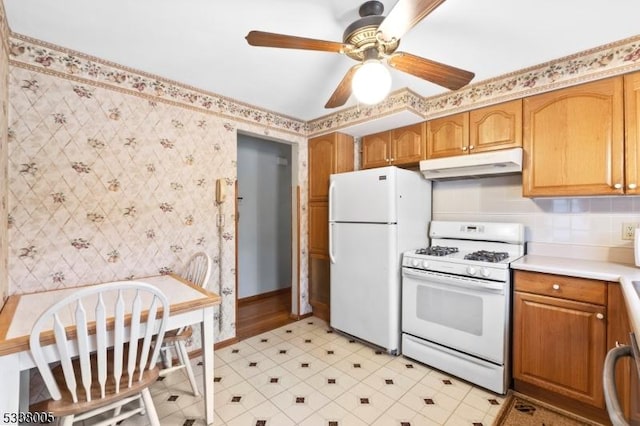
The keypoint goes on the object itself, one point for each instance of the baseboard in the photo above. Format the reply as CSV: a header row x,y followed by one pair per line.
x,y
296,317
225,343
274,293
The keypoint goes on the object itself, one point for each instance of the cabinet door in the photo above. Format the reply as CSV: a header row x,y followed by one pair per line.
x,y
632,129
321,165
376,150
496,127
448,136
319,286
408,146
319,228
560,345
573,141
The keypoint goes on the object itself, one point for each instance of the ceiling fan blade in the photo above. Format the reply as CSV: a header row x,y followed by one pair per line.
x,y
261,38
405,15
343,91
443,75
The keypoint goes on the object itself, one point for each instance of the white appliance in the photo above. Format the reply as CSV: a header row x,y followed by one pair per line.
x,y
488,163
374,216
456,300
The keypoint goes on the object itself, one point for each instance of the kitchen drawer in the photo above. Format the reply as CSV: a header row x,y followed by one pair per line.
x,y
579,289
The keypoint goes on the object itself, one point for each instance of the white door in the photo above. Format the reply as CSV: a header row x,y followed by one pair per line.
x,y
461,313
363,196
365,282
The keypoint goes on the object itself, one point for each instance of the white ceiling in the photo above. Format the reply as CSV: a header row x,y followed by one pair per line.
x,y
201,42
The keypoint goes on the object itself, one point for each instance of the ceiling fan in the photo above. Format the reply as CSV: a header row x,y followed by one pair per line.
x,y
371,40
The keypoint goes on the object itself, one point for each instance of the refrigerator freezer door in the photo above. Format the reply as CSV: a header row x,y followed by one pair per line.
x,y
365,282
363,196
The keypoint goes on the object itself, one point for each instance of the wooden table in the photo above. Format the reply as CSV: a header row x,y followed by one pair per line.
x,y
190,304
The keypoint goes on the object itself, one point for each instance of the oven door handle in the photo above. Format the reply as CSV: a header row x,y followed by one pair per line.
x,y
469,283
616,415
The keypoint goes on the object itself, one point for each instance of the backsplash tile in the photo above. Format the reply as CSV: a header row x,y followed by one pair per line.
x,y
589,221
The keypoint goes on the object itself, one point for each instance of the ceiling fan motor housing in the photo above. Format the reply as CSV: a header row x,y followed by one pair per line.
x,y
362,34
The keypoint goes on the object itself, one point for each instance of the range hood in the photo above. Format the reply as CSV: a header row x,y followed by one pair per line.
x,y
482,164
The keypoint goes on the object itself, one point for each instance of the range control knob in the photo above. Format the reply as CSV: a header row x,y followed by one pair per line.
x,y
425,264
485,272
415,263
471,270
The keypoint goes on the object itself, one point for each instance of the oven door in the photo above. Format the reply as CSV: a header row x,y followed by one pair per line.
x,y
466,314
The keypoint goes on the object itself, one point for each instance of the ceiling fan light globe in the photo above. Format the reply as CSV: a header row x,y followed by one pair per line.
x,y
371,82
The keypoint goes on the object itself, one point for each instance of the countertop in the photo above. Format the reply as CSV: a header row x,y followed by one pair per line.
x,y
623,273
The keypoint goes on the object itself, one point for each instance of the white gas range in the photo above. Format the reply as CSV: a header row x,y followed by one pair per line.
x,y
456,299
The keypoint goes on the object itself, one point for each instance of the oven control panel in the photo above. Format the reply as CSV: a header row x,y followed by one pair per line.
x,y
457,267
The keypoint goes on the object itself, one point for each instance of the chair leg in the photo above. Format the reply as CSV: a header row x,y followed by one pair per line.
x,y
187,365
116,412
66,420
165,353
152,414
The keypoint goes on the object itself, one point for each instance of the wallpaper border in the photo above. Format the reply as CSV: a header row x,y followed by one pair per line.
x,y
599,62
46,57
608,60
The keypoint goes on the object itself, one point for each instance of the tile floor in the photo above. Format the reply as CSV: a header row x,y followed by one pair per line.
x,y
303,374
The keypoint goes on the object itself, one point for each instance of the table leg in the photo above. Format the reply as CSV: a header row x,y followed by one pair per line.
x,y
207,355
10,390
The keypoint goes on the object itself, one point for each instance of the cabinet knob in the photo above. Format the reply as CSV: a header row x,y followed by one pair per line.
x,y
599,316
464,148
471,147
632,186
393,159
617,186
556,287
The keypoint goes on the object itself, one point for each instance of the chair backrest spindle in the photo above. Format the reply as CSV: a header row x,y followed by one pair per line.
x,y
131,338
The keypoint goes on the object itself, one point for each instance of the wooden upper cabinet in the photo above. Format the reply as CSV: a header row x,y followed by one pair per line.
x,y
485,129
376,150
398,147
496,127
632,130
407,145
448,136
332,153
573,141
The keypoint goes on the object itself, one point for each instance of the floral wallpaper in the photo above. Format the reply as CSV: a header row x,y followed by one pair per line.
x,y
4,188
107,181
600,62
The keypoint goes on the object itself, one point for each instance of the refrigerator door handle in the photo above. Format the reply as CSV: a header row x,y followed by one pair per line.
x,y
332,187
331,256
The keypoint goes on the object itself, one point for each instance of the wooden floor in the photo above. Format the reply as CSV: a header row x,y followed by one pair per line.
x,y
257,314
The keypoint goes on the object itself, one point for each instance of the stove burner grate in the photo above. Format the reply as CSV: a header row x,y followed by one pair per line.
x,y
487,256
437,251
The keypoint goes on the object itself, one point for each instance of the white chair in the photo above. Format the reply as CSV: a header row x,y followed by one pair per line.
x,y
106,350
197,271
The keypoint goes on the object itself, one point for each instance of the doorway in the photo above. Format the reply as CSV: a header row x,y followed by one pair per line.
x,y
264,209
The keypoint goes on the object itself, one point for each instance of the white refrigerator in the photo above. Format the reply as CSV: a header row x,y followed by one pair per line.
x,y
374,216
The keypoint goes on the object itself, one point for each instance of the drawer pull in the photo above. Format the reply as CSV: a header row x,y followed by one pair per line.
x,y
556,287
632,186
599,316
617,186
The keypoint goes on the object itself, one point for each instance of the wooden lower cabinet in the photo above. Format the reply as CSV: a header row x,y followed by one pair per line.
x,y
560,345
319,286
563,328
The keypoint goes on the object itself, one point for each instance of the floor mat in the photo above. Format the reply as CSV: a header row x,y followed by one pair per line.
x,y
520,410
